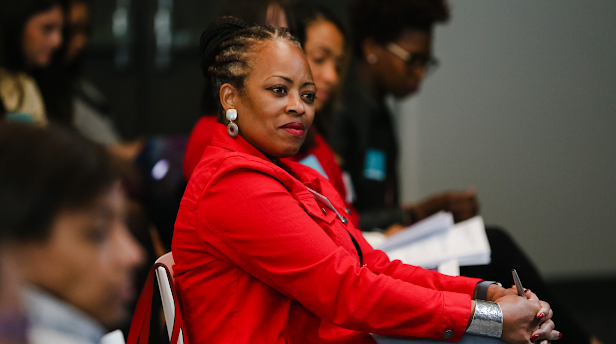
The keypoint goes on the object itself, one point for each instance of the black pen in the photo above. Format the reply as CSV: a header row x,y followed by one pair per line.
x,y
518,283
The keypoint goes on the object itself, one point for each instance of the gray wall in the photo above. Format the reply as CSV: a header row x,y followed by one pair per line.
x,y
523,110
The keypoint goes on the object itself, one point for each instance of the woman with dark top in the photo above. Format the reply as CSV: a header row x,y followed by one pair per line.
x,y
392,46
30,31
263,251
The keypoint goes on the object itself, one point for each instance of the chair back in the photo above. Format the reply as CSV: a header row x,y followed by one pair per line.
x,y
166,293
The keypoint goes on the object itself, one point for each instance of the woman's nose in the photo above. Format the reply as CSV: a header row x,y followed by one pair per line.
x,y
296,104
56,39
420,72
133,255
330,74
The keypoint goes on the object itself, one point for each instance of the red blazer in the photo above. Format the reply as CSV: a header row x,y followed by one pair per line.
x,y
326,158
259,260
200,137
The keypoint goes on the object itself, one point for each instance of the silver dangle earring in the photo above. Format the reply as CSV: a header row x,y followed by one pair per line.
x,y
232,128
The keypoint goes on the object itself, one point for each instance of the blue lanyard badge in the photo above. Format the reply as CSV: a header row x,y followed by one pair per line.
x,y
375,165
312,161
19,117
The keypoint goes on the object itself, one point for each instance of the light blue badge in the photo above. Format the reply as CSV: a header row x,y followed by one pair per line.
x,y
312,161
19,117
375,165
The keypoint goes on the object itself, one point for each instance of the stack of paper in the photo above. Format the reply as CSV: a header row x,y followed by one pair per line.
x,y
436,241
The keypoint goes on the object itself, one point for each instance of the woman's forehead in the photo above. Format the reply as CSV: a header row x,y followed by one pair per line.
x,y
280,57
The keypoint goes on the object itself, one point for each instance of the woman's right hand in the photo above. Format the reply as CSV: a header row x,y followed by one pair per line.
x,y
520,321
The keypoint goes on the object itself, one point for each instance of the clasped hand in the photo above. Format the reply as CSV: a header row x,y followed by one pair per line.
x,y
525,320
462,204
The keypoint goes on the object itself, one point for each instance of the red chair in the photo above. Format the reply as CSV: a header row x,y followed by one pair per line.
x,y
140,325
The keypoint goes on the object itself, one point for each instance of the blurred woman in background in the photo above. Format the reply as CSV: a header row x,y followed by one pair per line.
x,y
65,209
30,31
392,46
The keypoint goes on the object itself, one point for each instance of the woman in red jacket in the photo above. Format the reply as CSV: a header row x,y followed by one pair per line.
x,y
263,249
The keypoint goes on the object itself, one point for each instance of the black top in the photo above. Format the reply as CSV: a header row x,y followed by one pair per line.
x,y
363,136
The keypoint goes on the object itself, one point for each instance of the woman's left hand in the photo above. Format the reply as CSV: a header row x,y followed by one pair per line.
x,y
545,331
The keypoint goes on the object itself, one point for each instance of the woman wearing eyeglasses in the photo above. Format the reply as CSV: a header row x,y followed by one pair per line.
x,y
392,44
393,52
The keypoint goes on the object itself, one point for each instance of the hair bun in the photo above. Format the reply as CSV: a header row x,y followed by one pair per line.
x,y
217,32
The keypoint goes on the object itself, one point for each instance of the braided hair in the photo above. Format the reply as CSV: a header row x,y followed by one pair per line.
x,y
226,48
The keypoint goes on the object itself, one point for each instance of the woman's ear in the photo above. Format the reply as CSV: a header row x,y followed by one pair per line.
x,y
370,48
228,96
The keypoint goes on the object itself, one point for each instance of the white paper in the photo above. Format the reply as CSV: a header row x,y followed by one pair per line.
x,y
450,267
437,223
374,238
466,242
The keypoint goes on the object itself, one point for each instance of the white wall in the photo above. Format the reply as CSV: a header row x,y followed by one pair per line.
x,y
523,109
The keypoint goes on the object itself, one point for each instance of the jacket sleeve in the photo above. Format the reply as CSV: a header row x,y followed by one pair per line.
x,y
263,230
378,262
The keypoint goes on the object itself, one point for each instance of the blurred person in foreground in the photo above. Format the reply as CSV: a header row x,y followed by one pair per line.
x,y
259,258
30,31
64,205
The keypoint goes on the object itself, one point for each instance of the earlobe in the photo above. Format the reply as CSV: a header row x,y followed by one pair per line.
x,y
369,48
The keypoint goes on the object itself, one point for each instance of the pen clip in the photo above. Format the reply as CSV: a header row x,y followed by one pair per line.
x,y
518,283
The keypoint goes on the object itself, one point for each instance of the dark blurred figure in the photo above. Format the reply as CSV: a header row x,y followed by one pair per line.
x,y
30,31
392,46
65,209
71,99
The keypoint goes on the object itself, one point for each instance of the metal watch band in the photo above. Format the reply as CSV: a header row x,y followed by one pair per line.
x,y
481,292
487,320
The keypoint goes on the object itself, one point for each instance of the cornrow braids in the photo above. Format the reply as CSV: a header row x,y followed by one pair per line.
x,y
226,49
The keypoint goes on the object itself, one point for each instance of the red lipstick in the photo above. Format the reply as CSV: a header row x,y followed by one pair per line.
x,y
294,128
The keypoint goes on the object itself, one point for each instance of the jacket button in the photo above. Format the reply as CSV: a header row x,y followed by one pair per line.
x,y
344,220
448,334
348,211
324,211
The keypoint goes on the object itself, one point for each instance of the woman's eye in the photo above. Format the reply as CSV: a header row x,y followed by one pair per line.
x,y
310,97
279,89
319,61
98,234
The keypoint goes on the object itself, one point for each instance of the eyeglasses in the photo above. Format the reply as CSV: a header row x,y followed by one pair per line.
x,y
425,61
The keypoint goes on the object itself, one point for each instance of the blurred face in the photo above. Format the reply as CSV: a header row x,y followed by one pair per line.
x,y
89,259
324,49
78,21
276,106
393,75
42,36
